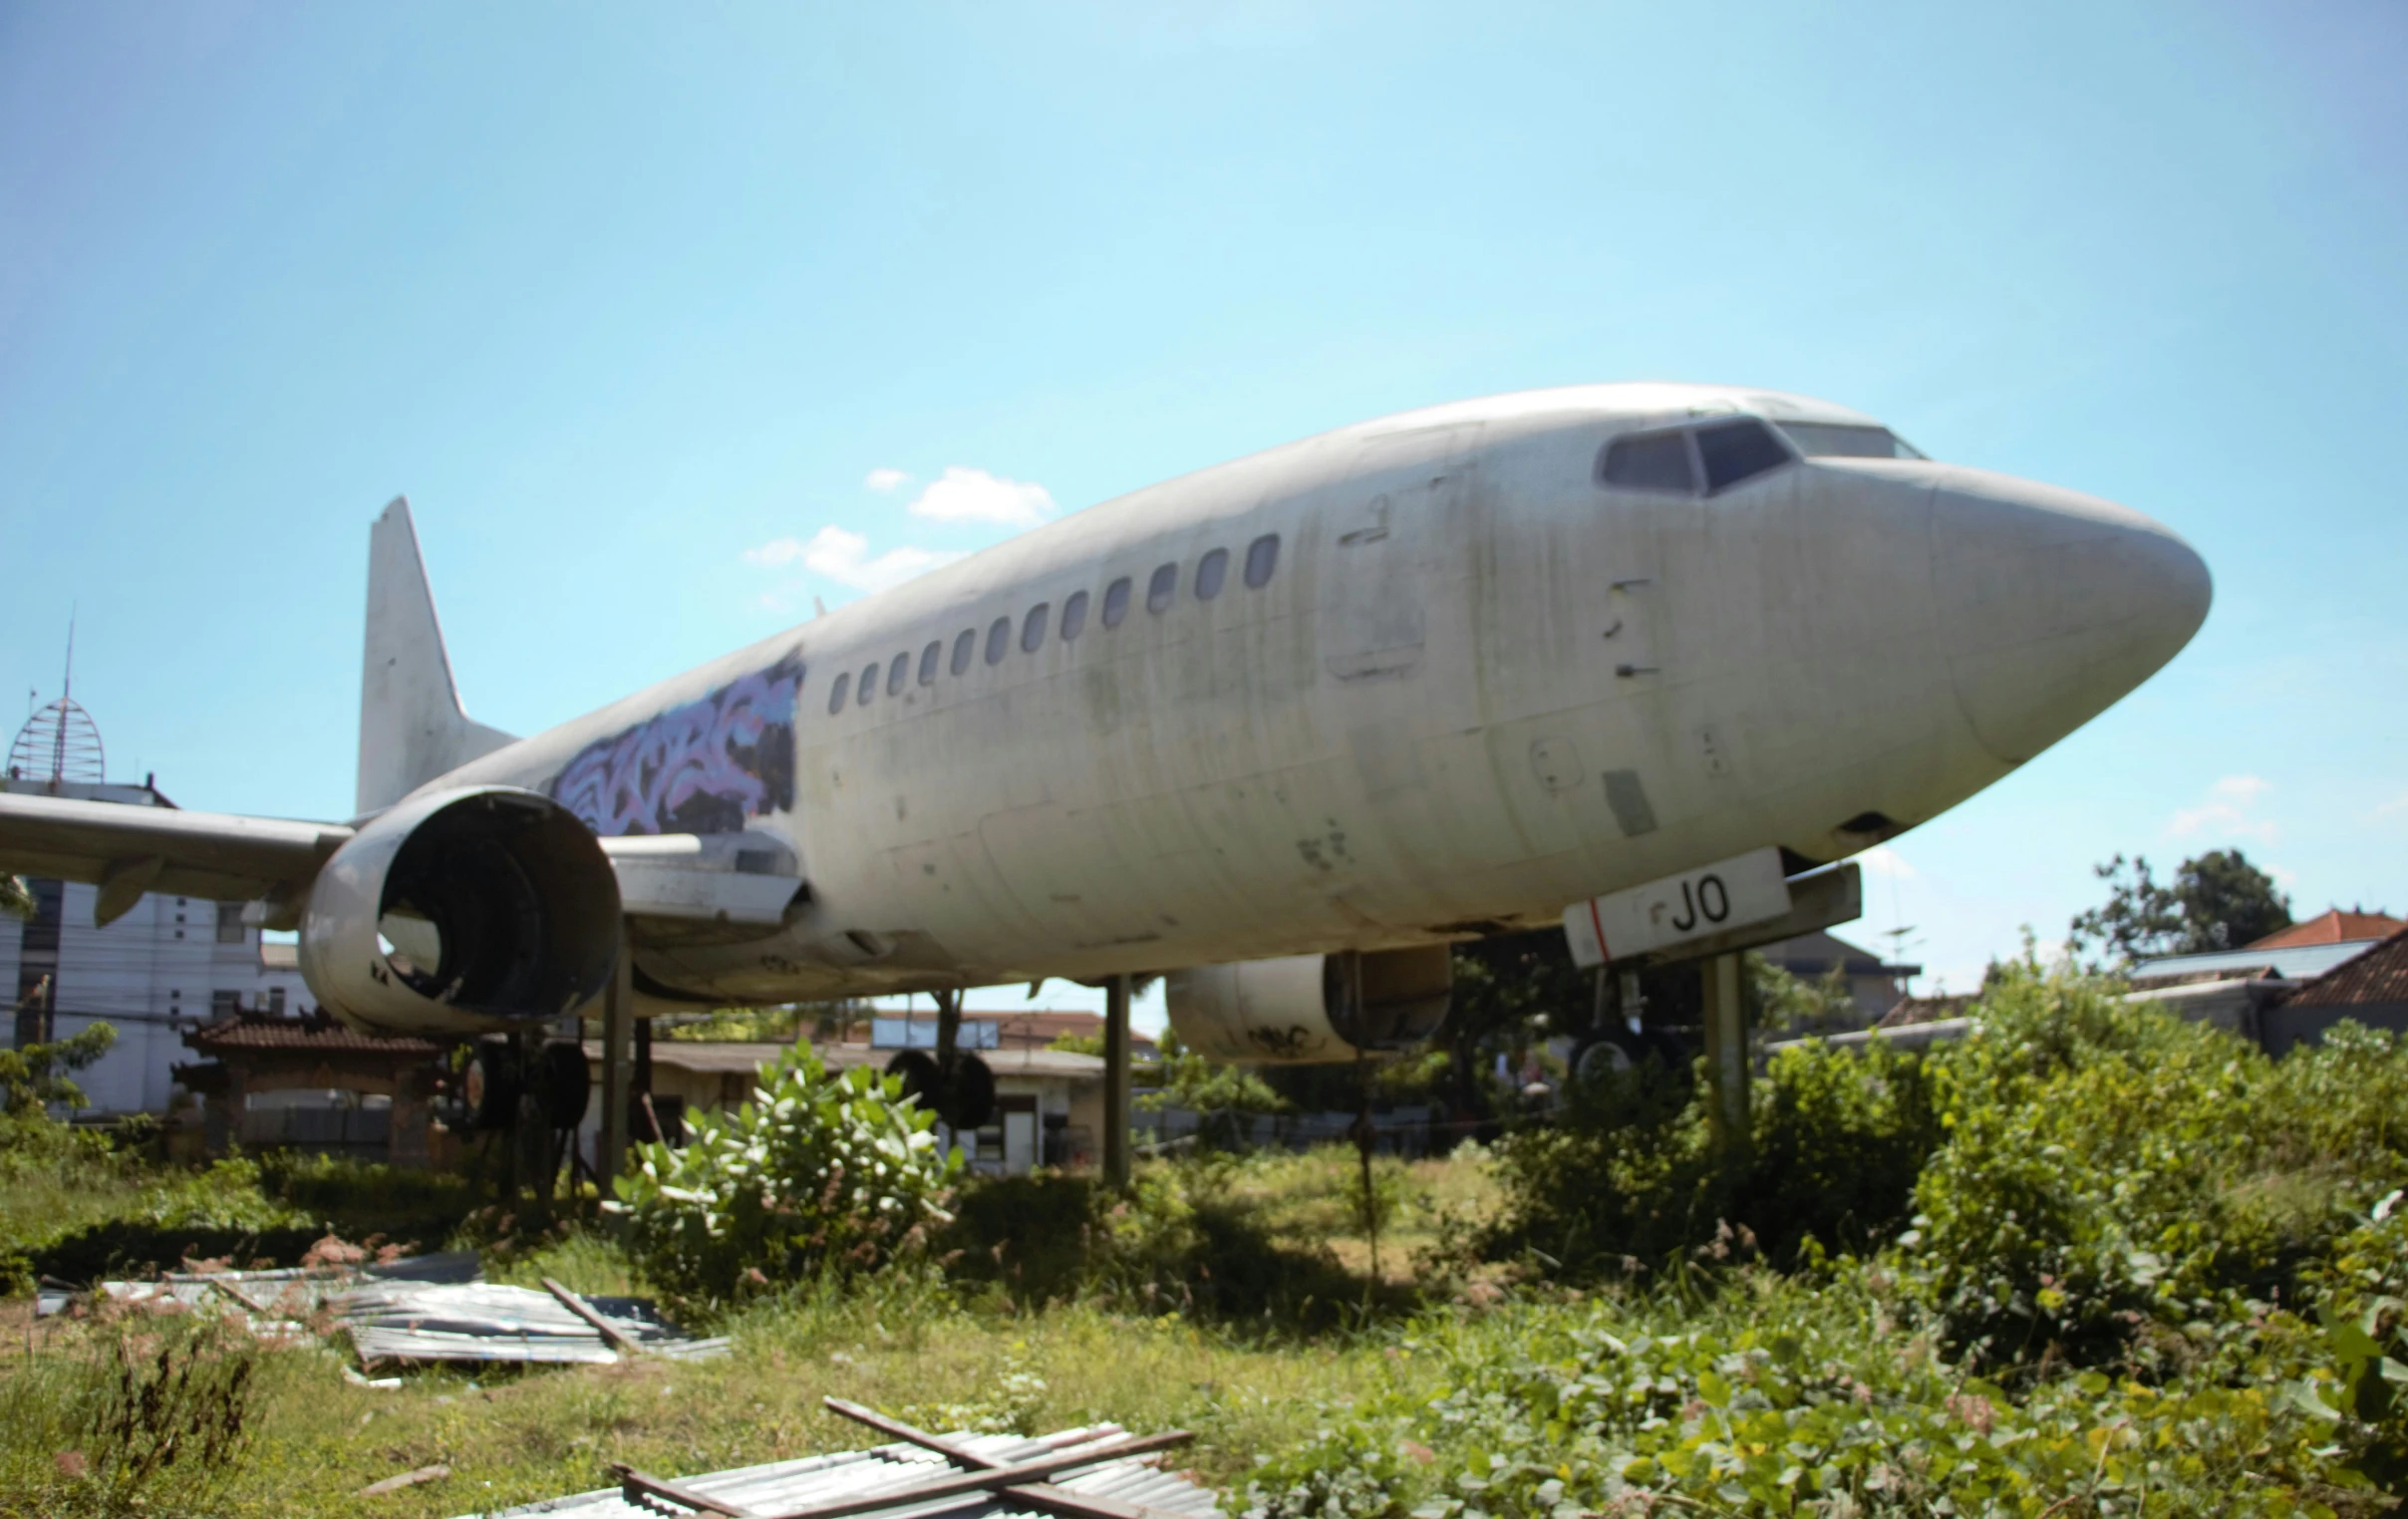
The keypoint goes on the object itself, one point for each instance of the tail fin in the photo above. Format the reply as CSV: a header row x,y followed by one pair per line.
x,y
411,726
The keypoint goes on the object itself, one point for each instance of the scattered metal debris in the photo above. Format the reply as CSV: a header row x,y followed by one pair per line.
x,y
1096,1473
429,1308
290,1292
479,1322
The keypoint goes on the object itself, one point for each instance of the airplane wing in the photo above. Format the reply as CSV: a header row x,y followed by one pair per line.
x,y
129,850
737,879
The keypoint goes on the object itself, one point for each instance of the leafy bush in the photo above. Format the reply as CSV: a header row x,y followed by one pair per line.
x,y
2118,1182
1632,1177
1778,1399
1181,1240
817,1172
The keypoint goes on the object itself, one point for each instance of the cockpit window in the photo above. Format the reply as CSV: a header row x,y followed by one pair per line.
x,y
1651,462
1736,450
1833,440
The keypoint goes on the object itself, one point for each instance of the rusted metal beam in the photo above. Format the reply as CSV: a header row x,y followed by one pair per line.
x,y
992,1480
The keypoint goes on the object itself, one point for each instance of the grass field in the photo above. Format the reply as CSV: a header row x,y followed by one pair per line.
x,y
904,1343
2093,1261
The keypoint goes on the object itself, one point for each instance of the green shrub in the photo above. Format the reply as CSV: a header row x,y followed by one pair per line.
x,y
1631,1176
817,1172
2118,1182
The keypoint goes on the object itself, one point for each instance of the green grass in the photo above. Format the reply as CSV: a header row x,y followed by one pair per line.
x,y
902,1345
2111,1264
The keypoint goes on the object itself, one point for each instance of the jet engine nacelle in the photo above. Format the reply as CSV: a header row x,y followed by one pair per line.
x,y
461,911
1312,1009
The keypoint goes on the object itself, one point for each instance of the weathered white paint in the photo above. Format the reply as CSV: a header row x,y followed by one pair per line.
x,y
411,726
1479,686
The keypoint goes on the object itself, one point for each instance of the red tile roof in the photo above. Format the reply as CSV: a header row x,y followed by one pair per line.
x,y
2333,926
247,1032
2378,976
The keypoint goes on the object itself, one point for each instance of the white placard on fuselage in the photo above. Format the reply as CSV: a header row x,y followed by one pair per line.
x,y
1694,904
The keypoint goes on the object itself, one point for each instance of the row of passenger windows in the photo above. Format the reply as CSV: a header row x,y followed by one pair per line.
x,y
1726,454
1161,590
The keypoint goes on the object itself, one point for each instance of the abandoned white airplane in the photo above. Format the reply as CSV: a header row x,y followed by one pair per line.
x,y
1282,729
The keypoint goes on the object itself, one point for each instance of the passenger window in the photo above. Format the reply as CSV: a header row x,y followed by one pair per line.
x,y
1738,451
1161,588
1654,462
928,662
1211,570
963,648
998,639
868,687
838,692
1262,559
1033,627
1073,616
1116,602
896,674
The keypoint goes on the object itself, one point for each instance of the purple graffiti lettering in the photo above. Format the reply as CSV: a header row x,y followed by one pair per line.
x,y
703,767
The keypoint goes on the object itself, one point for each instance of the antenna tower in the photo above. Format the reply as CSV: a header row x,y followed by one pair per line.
x,y
60,741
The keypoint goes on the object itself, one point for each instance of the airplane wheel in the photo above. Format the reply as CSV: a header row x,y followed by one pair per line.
x,y
567,1083
917,1069
490,1087
964,1102
1603,1055
971,1094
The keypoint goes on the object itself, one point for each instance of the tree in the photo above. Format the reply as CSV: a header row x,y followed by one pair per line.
x,y
1219,1096
16,898
36,1076
2216,901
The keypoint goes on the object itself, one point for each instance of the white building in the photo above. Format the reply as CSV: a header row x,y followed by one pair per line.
x,y
170,965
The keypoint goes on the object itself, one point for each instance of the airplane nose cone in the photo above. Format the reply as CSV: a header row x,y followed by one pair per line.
x,y
2052,606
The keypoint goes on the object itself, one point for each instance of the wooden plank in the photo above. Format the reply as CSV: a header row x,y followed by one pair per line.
x,y
612,1335
635,1485
239,1295
990,1479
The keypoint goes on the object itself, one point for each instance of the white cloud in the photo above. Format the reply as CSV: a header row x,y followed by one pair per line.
x,y
974,495
884,479
2395,807
2227,811
2240,790
844,557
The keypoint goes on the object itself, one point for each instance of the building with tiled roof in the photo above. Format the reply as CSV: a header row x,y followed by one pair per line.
x,y
2333,926
312,1083
2371,989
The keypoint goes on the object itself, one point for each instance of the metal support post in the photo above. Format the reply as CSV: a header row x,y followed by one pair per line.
x,y
1116,1082
1727,1045
618,1033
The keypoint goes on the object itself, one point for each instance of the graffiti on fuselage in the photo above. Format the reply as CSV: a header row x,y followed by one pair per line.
x,y
708,767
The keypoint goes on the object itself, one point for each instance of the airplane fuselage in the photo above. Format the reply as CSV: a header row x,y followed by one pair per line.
x,y
1419,680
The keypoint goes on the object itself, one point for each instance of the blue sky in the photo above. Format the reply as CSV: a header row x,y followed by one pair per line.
x,y
639,303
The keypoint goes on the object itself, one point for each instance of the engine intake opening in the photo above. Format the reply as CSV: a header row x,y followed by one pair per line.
x,y
500,904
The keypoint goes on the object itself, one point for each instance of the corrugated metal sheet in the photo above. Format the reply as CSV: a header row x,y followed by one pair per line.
x,y
784,1486
473,1322
2294,962
289,1292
